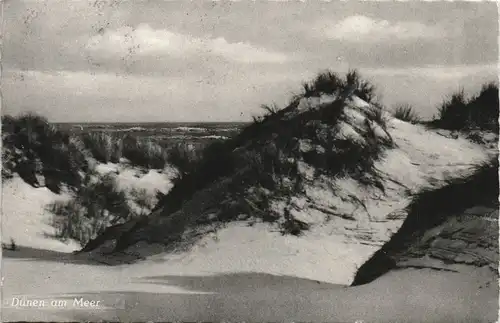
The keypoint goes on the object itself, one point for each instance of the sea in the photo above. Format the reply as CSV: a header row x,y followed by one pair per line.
x,y
165,133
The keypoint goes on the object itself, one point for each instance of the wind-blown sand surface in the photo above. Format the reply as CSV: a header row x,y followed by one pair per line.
x,y
151,292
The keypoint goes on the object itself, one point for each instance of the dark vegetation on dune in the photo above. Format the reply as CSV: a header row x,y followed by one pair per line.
x,y
406,112
96,205
429,209
142,152
462,113
459,113
11,246
31,146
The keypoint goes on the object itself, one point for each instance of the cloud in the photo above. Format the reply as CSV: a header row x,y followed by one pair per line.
x,y
436,72
146,41
425,87
360,28
100,97
78,83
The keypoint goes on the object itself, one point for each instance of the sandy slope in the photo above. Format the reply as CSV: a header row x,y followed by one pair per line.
x,y
25,219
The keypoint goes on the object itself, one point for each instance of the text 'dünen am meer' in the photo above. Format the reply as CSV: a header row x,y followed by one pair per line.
x,y
77,302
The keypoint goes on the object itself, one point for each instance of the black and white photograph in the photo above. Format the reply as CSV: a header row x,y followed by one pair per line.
x,y
249,161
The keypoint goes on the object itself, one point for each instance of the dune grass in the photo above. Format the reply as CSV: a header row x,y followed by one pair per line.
x,y
104,147
97,204
376,113
430,208
144,200
328,82
184,158
31,145
405,112
142,152
478,112
12,246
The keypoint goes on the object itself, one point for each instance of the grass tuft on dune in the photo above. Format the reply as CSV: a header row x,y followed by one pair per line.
x,y
31,146
97,204
405,112
478,112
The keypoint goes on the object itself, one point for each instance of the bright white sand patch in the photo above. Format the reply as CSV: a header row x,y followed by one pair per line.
x,y
128,177
25,219
314,102
45,277
424,154
241,248
237,248
153,181
104,169
358,103
346,131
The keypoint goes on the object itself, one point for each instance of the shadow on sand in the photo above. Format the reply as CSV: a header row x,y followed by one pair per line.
x,y
213,298
263,297
34,254
238,282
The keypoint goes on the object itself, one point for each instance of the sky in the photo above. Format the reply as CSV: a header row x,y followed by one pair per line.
x,y
142,61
